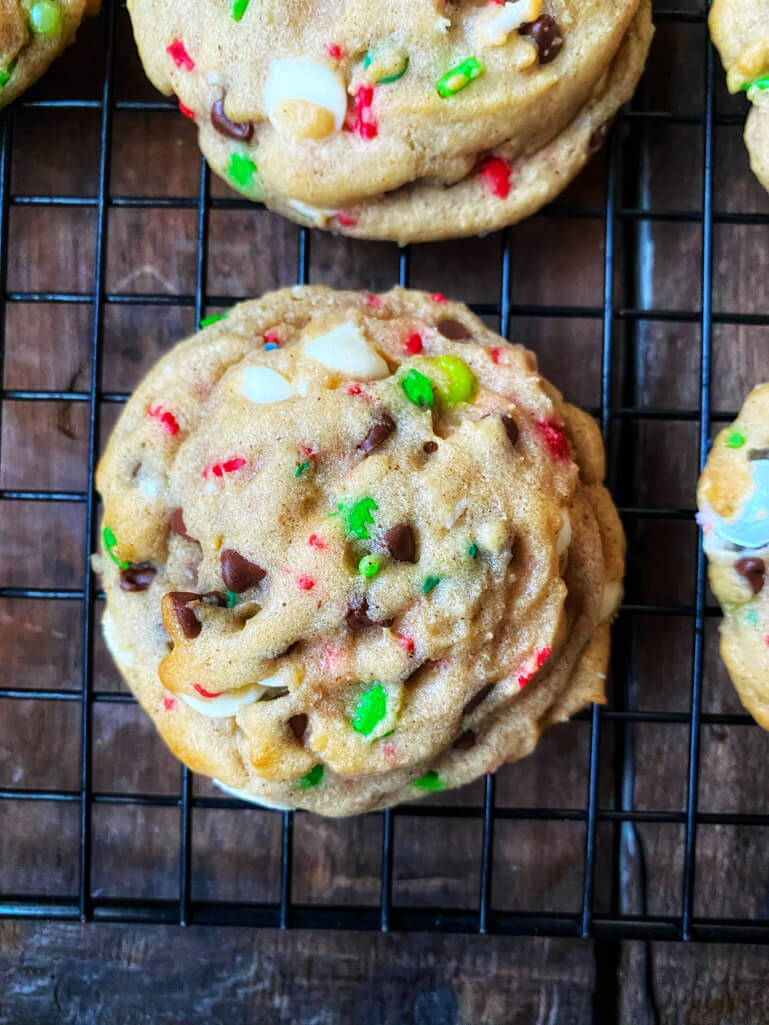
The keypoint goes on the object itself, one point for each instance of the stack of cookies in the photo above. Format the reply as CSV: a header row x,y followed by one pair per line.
x,y
355,549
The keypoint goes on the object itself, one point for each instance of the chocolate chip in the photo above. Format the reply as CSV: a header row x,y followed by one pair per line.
x,y
401,543
357,616
381,430
238,573
758,453
298,724
189,624
511,427
240,130
545,35
176,523
465,741
429,447
454,330
474,701
138,577
753,570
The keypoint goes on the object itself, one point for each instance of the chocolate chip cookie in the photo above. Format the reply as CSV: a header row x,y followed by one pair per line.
x,y
733,500
740,30
355,549
413,120
32,34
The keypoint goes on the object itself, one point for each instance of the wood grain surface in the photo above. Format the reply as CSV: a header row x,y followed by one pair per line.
x,y
57,972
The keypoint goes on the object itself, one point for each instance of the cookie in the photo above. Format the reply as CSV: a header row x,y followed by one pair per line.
x,y
733,500
355,549
32,34
414,120
740,31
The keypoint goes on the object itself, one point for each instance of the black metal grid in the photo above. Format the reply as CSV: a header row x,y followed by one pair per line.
x,y
621,207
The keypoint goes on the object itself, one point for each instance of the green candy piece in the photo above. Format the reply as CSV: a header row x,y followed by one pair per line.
x,y
472,550
430,781
762,83
207,321
368,566
45,18
461,380
312,778
429,584
735,440
232,599
459,77
418,388
357,517
238,9
110,543
370,710
300,469
5,75
241,170
389,65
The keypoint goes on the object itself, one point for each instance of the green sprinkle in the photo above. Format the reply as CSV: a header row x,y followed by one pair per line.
x,y
207,321
312,778
241,170
370,710
368,566
5,75
461,379
735,440
418,388
429,584
232,599
388,65
45,18
430,781
110,542
388,734
472,550
238,9
459,78
762,83
300,469
752,617
357,517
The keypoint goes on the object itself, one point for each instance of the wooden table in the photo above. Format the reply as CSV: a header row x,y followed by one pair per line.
x,y
57,971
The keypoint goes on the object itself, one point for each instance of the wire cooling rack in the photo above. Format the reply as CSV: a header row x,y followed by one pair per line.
x,y
617,321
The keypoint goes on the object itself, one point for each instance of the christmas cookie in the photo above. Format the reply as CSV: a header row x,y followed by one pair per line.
x,y
32,34
412,120
355,549
733,500
740,30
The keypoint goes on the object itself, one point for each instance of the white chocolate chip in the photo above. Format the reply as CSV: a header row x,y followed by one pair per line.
x,y
109,631
564,536
510,18
345,351
224,705
243,795
263,385
612,595
299,78
315,214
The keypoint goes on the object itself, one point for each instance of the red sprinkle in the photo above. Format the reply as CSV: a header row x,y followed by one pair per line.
x,y
438,297
229,466
414,344
496,355
179,55
406,642
362,118
542,656
315,542
346,220
167,420
496,176
206,693
335,51
305,583
271,338
388,750
186,111
330,658
554,436
169,704
373,301
353,389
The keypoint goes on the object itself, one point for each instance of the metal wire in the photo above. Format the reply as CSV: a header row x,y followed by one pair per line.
x,y
618,417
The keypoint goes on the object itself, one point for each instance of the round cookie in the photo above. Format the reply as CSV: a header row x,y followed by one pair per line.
x,y
740,31
355,549
32,34
414,120
733,500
